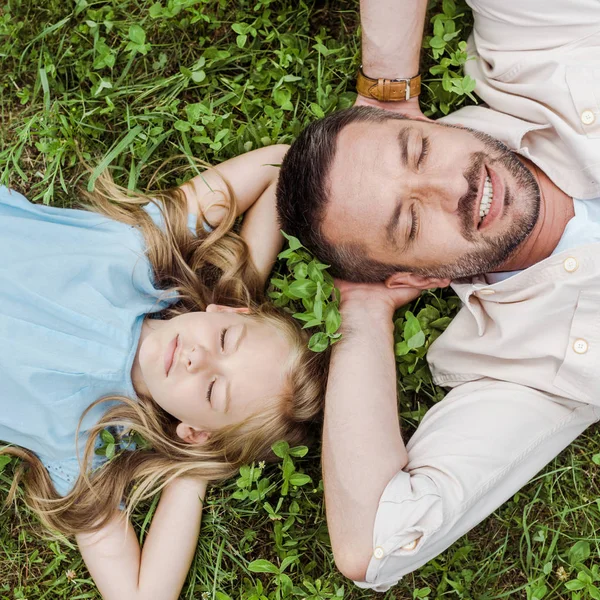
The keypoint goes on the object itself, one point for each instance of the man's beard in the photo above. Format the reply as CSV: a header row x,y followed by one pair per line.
x,y
491,252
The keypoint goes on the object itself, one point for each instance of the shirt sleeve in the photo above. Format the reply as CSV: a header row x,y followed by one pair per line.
x,y
471,453
153,210
63,473
532,25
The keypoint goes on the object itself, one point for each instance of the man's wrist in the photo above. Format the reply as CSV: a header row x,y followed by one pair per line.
x,y
385,71
388,90
357,314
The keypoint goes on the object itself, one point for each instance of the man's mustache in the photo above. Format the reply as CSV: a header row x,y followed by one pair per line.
x,y
466,204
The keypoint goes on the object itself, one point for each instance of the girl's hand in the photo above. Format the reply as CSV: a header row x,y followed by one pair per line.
x,y
241,180
250,181
192,483
121,569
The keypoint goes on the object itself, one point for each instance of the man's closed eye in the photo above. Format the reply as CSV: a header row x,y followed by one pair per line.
x,y
424,152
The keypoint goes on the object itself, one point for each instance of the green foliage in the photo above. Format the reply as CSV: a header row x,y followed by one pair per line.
x,y
448,54
131,83
108,444
112,442
4,460
290,476
152,80
414,332
308,290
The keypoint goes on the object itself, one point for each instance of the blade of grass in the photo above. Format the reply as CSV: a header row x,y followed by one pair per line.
x,y
120,147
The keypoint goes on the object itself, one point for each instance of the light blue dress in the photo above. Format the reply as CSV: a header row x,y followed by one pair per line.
x,y
75,287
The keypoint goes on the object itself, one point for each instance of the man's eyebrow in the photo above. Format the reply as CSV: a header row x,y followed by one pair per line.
x,y
392,225
403,136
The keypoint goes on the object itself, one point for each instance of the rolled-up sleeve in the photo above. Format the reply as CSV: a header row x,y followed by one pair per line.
x,y
471,453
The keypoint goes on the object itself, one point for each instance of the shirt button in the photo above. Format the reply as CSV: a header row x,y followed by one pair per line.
x,y
378,552
580,346
487,292
570,264
587,117
411,546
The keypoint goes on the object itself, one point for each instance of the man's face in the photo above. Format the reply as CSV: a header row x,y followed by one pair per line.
x,y
412,192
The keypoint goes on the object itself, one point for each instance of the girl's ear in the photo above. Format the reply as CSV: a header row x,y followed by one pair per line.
x,y
231,309
192,435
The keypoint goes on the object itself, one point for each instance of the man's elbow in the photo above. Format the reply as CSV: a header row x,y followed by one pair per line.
x,y
351,562
277,152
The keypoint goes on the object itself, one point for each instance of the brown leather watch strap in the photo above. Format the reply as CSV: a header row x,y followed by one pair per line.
x,y
388,90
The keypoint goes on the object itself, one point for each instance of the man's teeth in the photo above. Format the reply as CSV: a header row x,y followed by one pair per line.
x,y
486,199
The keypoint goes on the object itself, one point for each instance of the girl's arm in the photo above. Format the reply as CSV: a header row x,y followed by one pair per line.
x,y
252,178
121,569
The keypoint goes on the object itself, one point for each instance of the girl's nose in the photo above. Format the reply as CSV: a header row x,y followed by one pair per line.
x,y
197,359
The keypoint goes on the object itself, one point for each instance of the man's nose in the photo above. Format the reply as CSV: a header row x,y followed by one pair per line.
x,y
198,358
445,190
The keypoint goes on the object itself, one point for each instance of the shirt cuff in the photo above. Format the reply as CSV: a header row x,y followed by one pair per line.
x,y
410,511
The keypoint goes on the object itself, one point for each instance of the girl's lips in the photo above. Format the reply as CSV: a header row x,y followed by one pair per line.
x,y
170,354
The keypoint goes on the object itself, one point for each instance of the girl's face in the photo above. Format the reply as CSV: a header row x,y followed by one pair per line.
x,y
210,369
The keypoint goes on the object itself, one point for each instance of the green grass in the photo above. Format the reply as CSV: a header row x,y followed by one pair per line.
x,y
130,83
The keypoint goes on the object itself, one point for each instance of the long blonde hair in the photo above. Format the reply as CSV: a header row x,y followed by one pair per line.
x,y
211,267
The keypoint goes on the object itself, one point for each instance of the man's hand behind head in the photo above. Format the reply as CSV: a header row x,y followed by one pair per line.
x,y
409,108
373,296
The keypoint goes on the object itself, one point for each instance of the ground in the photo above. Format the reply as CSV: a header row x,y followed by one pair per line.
x,y
130,83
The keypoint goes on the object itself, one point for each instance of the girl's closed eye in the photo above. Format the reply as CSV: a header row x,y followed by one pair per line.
x,y
222,339
209,391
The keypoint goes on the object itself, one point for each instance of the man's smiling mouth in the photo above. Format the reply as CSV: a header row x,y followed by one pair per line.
x,y
486,199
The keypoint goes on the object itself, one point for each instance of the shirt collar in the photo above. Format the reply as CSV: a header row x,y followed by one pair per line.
x,y
467,290
475,292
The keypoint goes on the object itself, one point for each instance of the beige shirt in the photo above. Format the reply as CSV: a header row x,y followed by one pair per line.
x,y
523,355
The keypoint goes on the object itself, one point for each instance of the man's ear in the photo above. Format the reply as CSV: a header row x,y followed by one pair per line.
x,y
231,309
418,282
192,435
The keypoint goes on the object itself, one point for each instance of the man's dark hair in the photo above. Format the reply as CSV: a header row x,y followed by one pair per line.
x,y
303,194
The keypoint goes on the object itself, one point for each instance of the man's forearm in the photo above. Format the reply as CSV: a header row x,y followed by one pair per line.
x,y
362,445
392,32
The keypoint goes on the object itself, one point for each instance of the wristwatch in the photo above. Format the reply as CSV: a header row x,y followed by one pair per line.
x,y
388,90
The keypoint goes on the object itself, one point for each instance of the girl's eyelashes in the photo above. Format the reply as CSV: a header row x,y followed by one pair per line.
x,y
209,392
212,383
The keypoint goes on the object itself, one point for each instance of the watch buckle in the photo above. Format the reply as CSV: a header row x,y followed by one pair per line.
x,y
406,87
